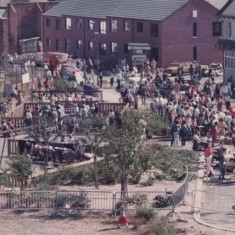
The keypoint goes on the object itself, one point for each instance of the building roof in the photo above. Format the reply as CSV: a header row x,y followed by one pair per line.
x,y
84,8
228,2
3,3
2,12
217,3
133,9
148,9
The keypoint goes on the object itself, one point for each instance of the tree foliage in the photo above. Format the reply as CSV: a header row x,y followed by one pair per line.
x,y
20,168
123,144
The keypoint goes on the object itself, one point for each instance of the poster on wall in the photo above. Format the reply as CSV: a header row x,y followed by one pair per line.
x,y
216,29
25,78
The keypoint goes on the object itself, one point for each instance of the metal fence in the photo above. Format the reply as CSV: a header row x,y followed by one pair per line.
x,y
82,200
27,200
209,201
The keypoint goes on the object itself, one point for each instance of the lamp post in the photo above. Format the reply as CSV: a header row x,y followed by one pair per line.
x,y
97,61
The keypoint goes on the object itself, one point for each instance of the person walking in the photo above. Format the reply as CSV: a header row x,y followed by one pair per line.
x,y
208,153
111,81
183,133
222,160
122,218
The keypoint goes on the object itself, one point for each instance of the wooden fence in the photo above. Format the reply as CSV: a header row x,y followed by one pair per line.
x,y
69,106
94,93
19,122
13,147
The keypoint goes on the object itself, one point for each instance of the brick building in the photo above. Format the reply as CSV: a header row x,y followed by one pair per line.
x,y
227,40
20,20
179,30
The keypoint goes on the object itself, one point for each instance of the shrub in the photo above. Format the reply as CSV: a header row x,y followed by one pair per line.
x,y
172,162
145,213
157,124
61,84
74,201
162,202
163,227
66,176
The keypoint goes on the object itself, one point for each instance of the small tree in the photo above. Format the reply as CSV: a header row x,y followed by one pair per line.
x,y
93,129
20,168
123,144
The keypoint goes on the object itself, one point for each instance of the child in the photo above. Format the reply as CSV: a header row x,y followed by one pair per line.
x,y
122,219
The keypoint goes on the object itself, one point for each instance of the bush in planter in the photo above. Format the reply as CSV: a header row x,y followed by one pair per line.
x,y
163,227
157,124
145,213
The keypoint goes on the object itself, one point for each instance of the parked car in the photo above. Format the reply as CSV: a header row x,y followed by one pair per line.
x,y
41,58
173,68
217,70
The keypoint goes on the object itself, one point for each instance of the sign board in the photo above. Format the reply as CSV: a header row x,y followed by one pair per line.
x,y
139,46
216,29
25,78
138,59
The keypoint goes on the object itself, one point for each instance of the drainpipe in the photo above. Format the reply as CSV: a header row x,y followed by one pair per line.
x,y
84,43
132,30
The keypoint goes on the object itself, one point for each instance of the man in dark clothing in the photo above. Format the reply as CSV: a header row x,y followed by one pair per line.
x,y
101,79
183,133
221,159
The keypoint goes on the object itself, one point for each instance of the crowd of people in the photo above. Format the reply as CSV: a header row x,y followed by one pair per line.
x,y
197,111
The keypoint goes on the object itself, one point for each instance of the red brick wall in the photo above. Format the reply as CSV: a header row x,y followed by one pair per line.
x,y
177,35
121,37
3,37
25,21
175,40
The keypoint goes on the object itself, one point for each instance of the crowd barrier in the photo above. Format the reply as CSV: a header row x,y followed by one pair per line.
x,y
79,200
212,202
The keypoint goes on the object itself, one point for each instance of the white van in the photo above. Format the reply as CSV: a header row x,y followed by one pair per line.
x,y
132,81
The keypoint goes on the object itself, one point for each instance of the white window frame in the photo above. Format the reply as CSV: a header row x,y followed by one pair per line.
x,y
103,27
113,25
114,47
68,44
68,23
229,60
79,44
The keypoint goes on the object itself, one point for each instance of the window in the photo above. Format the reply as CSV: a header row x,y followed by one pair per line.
x,y
102,48
154,53
91,24
113,25
79,23
194,29
68,44
140,27
58,44
126,48
217,29
90,46
48,42
229,60
102,27
126,26
79,44
194,53
58,24
68,23
48,22
229,29
154,30
113,48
